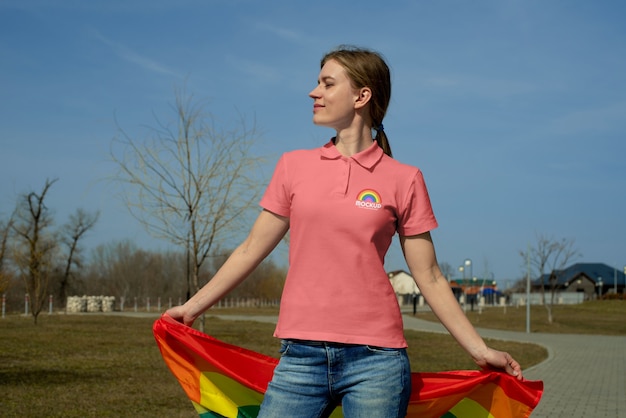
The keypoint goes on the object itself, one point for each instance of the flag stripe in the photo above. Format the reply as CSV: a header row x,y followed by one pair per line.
x,y
223,380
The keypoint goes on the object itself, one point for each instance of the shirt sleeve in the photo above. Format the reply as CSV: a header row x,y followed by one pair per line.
x,y
277,198
416,215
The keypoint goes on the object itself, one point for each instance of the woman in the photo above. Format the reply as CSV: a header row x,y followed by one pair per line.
x,y
340,325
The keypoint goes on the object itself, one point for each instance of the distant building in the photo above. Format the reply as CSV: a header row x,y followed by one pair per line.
x,y
466,291
403,283
591,279
404,286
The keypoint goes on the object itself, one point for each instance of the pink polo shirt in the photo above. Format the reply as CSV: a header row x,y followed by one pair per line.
x,y
343,214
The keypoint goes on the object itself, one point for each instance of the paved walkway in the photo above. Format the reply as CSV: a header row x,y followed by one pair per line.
x,y
584,375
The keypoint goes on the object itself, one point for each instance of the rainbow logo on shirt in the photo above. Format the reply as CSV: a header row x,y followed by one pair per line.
x,y
368,199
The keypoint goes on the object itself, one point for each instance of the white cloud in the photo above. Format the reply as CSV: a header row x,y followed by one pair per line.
x,y
480,86
261,72
609,118
129,55
283,33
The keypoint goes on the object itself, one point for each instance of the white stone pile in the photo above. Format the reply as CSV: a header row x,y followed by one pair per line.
x,y
108,303
76,304
90,304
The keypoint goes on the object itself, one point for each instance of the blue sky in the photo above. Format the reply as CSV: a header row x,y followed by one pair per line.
x,y
514,110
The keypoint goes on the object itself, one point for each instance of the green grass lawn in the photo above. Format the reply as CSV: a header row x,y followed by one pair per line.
x,y
109,366
606,317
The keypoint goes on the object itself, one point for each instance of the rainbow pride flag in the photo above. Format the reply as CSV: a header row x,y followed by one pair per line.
x,y
223,380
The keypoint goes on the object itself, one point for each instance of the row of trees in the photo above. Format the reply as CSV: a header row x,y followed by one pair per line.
x,y
42,260
123,270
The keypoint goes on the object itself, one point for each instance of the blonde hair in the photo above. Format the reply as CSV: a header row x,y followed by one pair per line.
x,y
367,68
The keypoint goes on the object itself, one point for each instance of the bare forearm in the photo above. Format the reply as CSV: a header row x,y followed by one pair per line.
x,y
238,266
445,306
420,255
267,231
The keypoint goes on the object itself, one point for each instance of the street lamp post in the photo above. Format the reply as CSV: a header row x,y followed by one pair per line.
x,y
462,270
474,295
468,263
599,286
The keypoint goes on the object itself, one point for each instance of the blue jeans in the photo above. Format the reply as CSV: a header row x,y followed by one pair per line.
x,y
313,378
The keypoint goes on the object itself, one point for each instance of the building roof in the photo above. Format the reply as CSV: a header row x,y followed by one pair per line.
x,y
592,271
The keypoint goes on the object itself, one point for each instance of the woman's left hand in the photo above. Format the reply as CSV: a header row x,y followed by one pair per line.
x,y
500,360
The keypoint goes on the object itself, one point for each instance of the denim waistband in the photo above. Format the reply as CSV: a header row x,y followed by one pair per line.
x,y
315,343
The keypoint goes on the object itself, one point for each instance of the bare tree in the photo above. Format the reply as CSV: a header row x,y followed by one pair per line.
x,y
35,257
552,255
192,183
79,223
5,230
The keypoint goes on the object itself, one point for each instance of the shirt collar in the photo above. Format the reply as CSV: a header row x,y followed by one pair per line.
x,y
366,158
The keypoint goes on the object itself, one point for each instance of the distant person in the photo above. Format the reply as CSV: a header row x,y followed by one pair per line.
x,y
340,324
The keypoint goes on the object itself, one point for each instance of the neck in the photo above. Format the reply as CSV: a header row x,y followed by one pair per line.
x,y
349,143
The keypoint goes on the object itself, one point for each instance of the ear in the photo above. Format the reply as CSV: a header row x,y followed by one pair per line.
x,y
363,97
